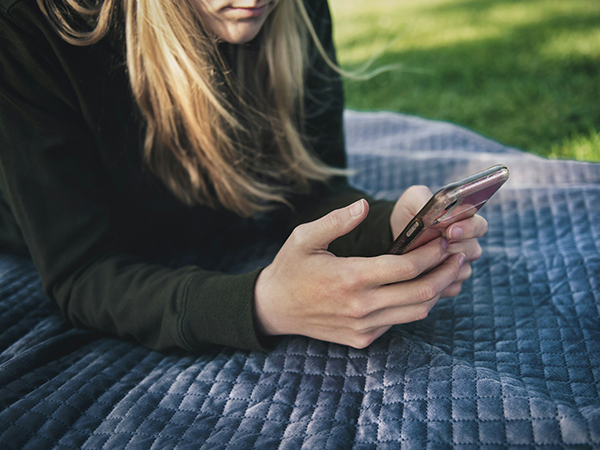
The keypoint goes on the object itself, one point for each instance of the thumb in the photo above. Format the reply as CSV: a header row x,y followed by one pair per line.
x,y
319,234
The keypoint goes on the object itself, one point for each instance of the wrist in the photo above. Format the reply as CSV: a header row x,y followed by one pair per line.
x,y
264,323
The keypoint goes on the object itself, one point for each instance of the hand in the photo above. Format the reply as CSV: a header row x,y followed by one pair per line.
x,y
352,301
462,235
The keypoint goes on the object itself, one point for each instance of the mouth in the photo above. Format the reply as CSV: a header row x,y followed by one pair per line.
x,y
250,11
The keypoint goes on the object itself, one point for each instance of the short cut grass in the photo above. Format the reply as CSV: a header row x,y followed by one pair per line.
x,y
524,72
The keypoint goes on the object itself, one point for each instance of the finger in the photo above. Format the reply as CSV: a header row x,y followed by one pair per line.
x,y
452,291
465,272
400,299
415,197
364,338
317,235
389,317
473,227
409,203
470,248
389,269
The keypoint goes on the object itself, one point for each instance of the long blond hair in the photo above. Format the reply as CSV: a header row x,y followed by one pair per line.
x,y
213,136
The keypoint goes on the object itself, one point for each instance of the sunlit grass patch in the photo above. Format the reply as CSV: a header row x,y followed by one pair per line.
x,y
583,147
525,72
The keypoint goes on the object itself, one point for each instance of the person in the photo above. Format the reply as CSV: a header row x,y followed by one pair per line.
x,y
131,130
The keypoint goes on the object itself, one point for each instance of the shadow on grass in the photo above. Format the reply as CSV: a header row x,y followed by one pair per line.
x,y
510,87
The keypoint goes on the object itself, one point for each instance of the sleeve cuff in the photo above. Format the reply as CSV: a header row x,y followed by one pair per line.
x,y
219,309
372,237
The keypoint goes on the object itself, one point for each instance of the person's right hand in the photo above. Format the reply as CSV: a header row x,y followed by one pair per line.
x,y
309,291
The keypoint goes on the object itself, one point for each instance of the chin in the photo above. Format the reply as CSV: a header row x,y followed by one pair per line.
x,y
240,36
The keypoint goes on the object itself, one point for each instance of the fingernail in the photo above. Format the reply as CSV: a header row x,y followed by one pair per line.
x,y
456,232
461,258
357,208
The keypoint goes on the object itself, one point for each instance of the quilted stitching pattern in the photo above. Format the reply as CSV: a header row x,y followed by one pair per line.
x,y
512,362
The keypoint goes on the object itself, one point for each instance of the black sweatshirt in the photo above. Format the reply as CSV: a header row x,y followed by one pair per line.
x,y
76,196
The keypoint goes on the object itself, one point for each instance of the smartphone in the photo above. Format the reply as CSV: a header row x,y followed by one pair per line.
x,y
454,202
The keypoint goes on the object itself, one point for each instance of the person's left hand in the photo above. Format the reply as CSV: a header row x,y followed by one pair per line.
x,y
462,236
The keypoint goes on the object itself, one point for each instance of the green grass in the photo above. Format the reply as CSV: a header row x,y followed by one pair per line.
x,y
524,72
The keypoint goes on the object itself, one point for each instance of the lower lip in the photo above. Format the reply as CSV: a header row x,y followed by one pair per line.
x,y
250,12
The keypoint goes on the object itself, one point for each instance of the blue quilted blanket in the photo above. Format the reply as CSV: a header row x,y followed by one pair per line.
x,y
512,362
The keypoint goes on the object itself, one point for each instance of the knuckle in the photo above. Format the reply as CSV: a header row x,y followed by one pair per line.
x,y
478,251
332,220
422,312
440,251
457,268
299,235
353,279
456,289
427,291
357,310
409,269
361,340
453,290
424,309
467,271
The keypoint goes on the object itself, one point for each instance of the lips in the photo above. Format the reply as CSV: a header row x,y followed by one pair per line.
x,y
249,11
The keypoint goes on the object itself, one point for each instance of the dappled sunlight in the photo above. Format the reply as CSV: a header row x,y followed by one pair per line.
x,y
524,72
432,23
573,43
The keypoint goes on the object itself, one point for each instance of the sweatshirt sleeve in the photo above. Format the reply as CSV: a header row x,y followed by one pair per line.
x,y
324,105
53,181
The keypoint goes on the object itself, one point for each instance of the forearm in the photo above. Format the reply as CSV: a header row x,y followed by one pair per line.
x,y
161,307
